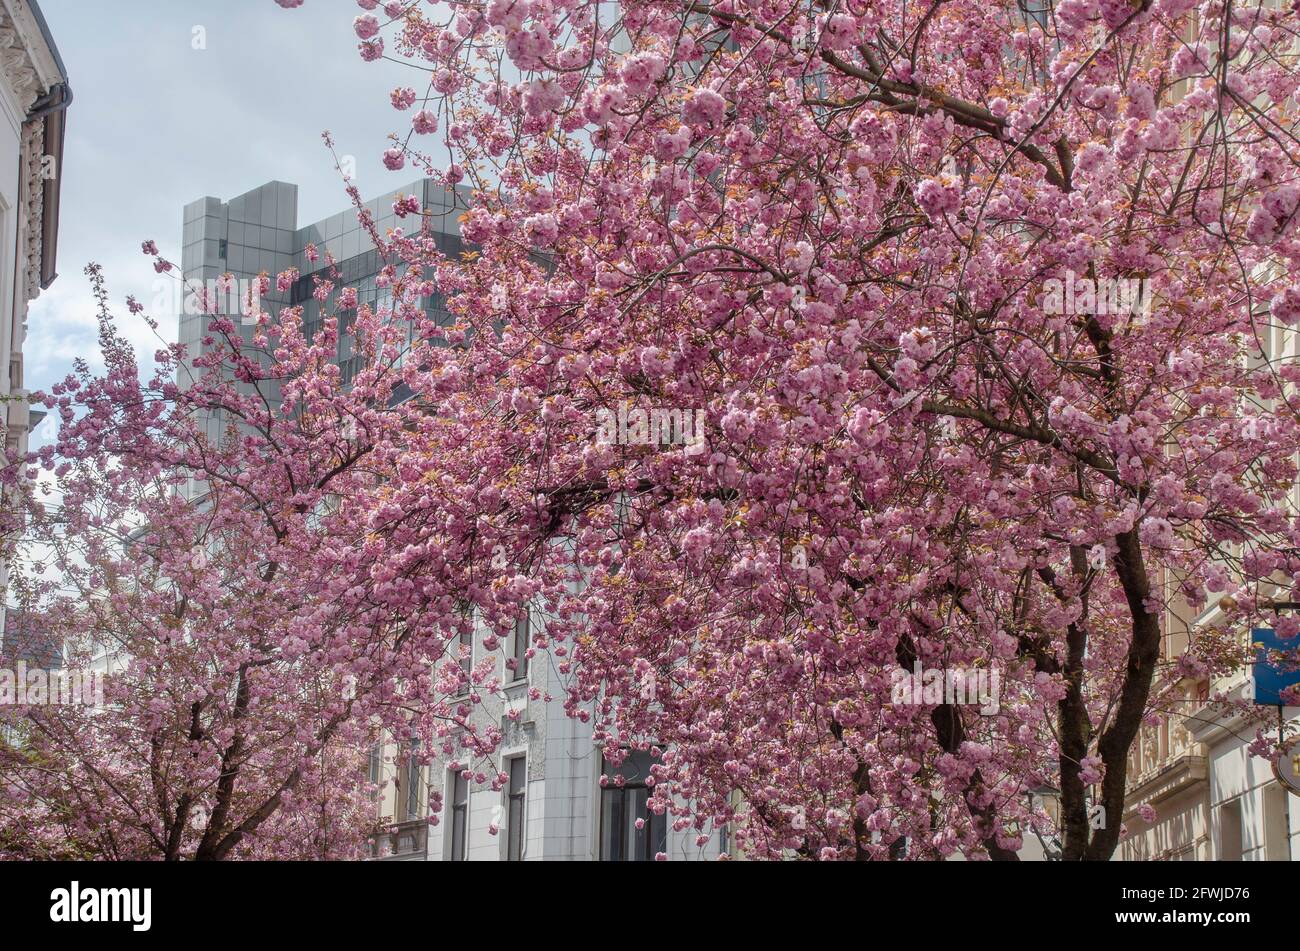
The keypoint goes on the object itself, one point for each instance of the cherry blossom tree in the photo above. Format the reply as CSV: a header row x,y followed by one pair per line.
x,y
801,346
987,310
226,588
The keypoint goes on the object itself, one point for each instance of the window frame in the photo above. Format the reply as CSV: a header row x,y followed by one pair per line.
x,y
465,658
627,810
414,780
454,779
521,642
516,823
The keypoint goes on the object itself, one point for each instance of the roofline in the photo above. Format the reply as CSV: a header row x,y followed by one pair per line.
x,y
48,37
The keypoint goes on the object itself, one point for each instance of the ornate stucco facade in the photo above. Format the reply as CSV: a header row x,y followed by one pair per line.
x,y
34,96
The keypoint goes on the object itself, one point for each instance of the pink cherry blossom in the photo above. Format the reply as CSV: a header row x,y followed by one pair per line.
x,y
425,122
866,340
705,108
542,96
366,26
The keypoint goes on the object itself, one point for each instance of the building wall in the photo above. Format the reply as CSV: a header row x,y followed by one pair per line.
x,y
1252,816
11,147
251,233
29,68
11,143
1214,800
1180,832
1167,770
564,766
258,232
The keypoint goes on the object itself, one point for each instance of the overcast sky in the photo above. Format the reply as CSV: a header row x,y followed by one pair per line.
x,y
157,123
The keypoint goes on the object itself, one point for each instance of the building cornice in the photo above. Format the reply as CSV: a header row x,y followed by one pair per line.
x,y
1184,773
1209,725
28,64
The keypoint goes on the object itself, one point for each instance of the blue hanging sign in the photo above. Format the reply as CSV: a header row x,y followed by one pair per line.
x,y
1272,678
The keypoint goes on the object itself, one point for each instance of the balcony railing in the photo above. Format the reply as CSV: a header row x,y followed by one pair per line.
x,y
400,840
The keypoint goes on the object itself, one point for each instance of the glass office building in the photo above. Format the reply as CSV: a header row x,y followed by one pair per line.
x,y
259,231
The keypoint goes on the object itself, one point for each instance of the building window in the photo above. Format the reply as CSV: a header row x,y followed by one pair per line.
x,y
413,788
376,763
519,652
622,808
459,816
515,809
1277,846
1230,841
466,648
223,249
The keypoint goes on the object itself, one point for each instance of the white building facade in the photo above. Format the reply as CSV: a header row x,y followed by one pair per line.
x,y
553,806
34,97
1214,799
1252,816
